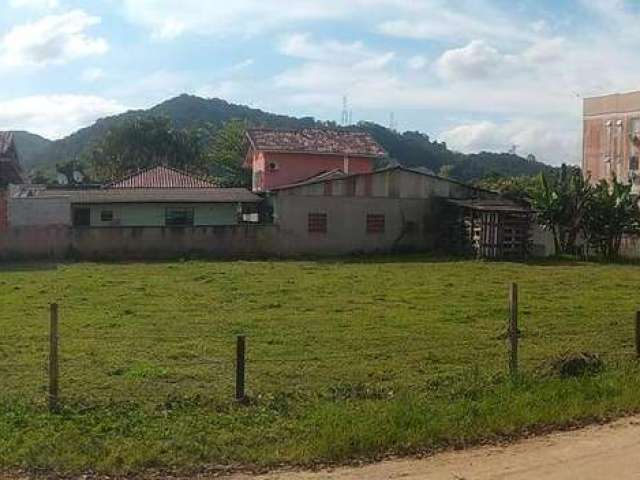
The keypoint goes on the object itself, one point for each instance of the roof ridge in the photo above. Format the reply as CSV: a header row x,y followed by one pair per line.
x,y
320,140
143,171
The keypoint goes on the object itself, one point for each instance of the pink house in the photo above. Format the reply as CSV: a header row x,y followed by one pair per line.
x,y
284,157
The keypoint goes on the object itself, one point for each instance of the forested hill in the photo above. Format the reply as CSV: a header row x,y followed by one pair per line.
x,y
31,147
186,111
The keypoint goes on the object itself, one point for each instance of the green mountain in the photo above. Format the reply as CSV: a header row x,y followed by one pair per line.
x,y
412,149
31,147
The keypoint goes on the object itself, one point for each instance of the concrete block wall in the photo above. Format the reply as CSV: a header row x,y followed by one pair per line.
x,y
410,224
61,242
39,211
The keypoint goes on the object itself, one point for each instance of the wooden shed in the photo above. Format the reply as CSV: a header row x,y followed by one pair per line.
x,y
489,228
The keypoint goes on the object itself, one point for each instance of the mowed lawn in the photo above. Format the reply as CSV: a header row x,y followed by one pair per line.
x,y
346,359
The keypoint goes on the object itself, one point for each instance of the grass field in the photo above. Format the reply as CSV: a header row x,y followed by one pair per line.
x,y
346,359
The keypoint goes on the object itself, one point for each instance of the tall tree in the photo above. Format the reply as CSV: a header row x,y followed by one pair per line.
x,y
612,213
143,143
561,201
226,157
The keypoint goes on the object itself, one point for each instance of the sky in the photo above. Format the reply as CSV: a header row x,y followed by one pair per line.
x,y
478,74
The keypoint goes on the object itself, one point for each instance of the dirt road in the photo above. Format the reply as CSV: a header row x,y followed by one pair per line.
x,y
595,453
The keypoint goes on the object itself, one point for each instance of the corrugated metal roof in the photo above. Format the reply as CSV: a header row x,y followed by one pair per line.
x,y
163,195
316,140
418,171
161,177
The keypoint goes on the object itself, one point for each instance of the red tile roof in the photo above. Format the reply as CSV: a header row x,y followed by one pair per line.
x,y
161,177
316,140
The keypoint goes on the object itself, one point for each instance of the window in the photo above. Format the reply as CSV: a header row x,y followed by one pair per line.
x,y
633,163
328,188
178,217
249,213
82,217
106,216
317,223
273,166
375,224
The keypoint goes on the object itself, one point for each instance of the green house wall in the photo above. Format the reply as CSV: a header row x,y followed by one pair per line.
x,y
153,214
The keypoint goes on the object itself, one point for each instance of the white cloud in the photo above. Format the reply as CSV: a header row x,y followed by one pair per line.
x,y
169,19
331,69
35,4
302,45
477,60
54,39
54,116
549,140
454,21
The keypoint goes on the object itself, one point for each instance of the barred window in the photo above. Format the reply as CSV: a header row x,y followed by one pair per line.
x,y
179,217
375,223
317,223
106,216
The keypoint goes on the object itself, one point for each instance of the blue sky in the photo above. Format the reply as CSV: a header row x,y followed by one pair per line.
x,y
480,74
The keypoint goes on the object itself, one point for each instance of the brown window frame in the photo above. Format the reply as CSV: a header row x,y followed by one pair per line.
x,y
376,223
317,223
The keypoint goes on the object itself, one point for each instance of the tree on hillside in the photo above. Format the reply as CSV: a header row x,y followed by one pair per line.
x,y
143,143
562,201
225,159
515,188
612,213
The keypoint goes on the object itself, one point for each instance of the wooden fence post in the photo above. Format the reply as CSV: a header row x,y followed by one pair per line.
x,y
54,367
513,329
638,334
240,367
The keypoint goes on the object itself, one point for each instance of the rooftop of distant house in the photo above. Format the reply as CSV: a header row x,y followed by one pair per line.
x,y
161,177
316,141
154,185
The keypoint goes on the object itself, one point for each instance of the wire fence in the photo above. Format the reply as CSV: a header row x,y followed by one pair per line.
x,y
236,368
